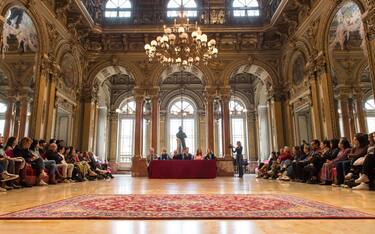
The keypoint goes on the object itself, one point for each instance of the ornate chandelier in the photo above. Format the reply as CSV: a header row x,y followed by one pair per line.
x,y
177,46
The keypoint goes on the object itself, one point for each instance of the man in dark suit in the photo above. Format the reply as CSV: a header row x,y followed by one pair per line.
x,y
187,155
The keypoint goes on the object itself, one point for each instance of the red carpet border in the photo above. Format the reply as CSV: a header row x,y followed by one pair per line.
x,y
186,206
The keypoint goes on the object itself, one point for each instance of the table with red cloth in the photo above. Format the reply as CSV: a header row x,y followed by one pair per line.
x,y
182,169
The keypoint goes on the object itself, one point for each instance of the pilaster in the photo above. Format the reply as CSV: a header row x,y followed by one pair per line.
x,y
344,104
9,117
360,114
155,116
210,97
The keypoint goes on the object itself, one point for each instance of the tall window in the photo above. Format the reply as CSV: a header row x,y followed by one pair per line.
x,y
238,123
182,114
126,132
245,8
118,9
189,7
3,109
370,114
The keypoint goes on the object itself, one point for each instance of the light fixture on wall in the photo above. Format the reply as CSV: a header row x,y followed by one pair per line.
x,y
181,45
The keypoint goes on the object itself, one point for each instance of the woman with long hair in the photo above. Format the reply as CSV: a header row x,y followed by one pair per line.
x,y
239,158
367,171
326,173
16,164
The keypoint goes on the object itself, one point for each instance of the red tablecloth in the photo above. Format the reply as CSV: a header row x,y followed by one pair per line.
x,y
182,169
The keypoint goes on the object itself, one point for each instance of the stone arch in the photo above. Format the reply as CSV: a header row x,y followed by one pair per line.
x,y
103,70
264,72
244,100
360,70
124,97
160,73
197,100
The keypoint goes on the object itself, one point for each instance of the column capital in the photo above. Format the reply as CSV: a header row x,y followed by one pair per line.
x,y
343,92
112,115
153,92
358,93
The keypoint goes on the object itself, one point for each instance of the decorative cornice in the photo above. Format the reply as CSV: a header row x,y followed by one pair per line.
x,y
369,19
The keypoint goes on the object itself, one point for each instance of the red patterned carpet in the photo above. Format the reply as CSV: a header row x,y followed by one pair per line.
x,y
259,206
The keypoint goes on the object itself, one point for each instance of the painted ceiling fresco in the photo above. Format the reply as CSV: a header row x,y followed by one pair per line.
x,y
19,33
347,28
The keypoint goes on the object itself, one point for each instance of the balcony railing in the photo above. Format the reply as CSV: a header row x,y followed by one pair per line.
x,y
210,16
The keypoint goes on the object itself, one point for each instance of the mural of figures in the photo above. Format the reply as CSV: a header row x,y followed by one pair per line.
x,y
347,27
20,28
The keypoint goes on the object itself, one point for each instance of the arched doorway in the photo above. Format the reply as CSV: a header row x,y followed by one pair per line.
x,y
249,86
182,112
182,104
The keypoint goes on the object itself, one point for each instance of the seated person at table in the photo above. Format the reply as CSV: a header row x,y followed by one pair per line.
x,y
177,156
186,155
164,155
210,155
198,155
151,155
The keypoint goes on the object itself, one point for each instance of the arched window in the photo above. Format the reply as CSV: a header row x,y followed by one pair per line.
x,y
126,131
182,112
189,7
245,8
118,9
238,123
370,114
3,109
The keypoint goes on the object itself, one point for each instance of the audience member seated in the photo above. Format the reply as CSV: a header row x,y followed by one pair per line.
x,y
16,164
326,173
315,163
367,167
151,155
23,150
164,155
288,173
298,164
210,155
52,154
99,167
5,177
83,166
279,166
265,166
198,155
186,155
359,150
50,165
